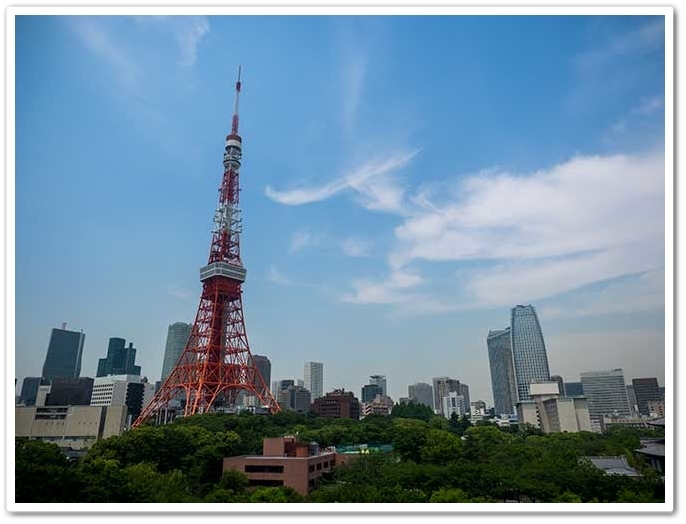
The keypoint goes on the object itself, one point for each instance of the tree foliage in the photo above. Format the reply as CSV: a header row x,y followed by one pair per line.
x,y
434,460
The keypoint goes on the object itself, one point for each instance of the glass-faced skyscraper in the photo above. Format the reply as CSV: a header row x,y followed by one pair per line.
x,y
502,371
314,378
606,393
177,337
64,354
120,360
528,350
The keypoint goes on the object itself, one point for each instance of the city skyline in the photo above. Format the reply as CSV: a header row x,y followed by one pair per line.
x,y
456,214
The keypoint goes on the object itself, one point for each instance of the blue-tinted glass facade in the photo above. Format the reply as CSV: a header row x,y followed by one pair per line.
x,y
120,359
502,371
528,350
64,355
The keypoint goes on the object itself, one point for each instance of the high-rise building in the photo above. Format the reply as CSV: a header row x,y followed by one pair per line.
x,y
64,354
645,389
632,399
443,386
528,350
70,392
295,398
560,384
177,338
314,378
369,391
122,390
264,367
29,390
421,393
120,360
606,393
574,389
379,380
455,403
502,370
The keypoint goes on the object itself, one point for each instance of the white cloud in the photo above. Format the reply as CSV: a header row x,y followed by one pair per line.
x,y
353,78
302,239
380,195
536,235
187,31
649,106
97,39
356,247
642,293
276,277
634,42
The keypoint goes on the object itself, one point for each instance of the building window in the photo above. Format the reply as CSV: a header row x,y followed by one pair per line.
x,y
319,466
253,468
311,468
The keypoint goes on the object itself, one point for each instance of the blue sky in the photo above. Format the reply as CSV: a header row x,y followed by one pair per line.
x,y
405,181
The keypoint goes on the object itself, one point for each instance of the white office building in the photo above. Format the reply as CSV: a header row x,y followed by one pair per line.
x,y
314,379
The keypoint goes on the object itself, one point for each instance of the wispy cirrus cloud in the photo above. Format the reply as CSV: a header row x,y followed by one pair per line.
x,y
187,31
533,236
99,40
373,189
302,239
646,37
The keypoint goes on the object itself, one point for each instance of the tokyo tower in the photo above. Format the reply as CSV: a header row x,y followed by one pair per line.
x,y
216,363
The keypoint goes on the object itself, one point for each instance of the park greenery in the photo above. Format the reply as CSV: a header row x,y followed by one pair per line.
x,y
433,460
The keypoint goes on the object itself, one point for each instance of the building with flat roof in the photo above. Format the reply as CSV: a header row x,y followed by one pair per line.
x,y
421,393
337,404
379,405
606,393
70,392
501,364
76,427
285,461
178,334
528,350
313,378
645,389
551,413
29,390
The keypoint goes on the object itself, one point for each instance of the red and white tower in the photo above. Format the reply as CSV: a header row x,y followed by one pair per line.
x,y
216,363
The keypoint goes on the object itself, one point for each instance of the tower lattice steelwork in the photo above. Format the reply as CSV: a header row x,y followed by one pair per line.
x,y
216,363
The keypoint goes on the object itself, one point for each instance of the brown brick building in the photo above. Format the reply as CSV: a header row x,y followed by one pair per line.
x,y
285,462
337,404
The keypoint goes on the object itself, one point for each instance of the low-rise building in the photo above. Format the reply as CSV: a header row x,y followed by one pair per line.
x,y
337,404
551,413
285,461
76,427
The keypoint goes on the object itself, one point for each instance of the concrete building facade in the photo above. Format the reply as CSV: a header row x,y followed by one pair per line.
x,y
285,462
77,427
337,404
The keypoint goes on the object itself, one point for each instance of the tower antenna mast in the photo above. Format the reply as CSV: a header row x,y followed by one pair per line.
x,y
216,363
